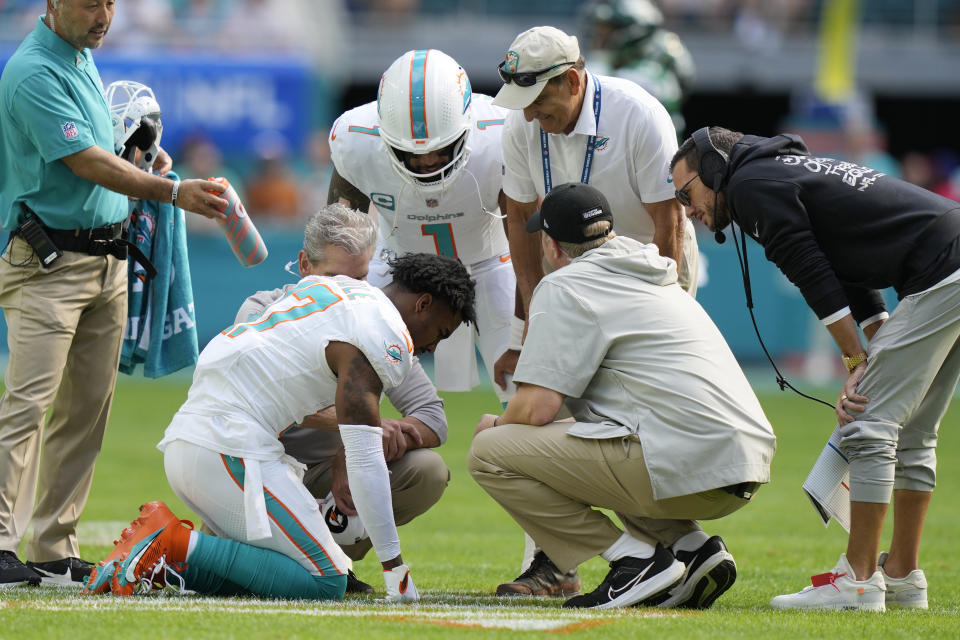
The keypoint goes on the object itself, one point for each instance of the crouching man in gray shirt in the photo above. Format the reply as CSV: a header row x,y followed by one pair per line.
x,y
667,430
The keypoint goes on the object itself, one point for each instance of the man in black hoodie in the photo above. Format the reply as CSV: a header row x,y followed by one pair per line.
x,y
839,232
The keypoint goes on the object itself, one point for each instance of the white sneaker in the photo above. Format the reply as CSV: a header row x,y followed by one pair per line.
x,y
837,590
909,592
400,587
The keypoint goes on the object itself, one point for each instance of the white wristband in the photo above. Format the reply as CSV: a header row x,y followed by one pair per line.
x,y
516,333
173,192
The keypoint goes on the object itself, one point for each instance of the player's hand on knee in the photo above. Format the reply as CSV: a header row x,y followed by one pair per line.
x,y
411,431
394,440
487,421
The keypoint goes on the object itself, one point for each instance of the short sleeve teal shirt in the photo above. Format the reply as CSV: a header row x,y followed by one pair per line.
x,y
51,106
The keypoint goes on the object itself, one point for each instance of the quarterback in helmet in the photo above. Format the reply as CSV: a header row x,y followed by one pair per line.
x,y
426,156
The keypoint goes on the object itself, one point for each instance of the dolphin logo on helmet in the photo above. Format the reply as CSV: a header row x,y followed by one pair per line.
x,y
424,103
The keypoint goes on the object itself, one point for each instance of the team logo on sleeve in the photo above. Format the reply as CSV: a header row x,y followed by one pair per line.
x,y
394,353
69,130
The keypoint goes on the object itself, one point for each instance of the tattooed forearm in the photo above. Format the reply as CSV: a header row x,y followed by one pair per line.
x,y
358,392
342,191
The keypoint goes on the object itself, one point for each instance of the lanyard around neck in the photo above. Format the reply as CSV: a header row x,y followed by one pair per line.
x,y
591,145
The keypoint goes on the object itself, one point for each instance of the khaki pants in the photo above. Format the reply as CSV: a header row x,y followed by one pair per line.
x,y
549,482
64,328
911,376
417,480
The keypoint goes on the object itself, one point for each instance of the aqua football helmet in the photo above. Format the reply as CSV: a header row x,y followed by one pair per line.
x,y
424,106
135,114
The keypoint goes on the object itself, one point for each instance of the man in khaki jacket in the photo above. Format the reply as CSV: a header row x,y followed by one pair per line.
x,y
667,430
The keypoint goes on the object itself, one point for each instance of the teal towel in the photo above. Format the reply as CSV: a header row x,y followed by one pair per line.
x,y
161,329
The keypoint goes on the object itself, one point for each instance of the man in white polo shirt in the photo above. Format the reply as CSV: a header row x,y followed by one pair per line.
x,y
569,125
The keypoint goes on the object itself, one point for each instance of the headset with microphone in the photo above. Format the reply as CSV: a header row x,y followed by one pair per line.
x,y
713,166
713,170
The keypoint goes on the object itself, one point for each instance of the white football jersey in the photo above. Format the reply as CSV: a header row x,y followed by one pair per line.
x,y
452,223
258,377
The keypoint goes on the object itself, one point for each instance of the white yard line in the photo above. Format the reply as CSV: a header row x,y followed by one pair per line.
x,y
493,616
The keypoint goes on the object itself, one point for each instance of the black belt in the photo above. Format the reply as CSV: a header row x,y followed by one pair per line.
x,y
100,241
744,490
82,239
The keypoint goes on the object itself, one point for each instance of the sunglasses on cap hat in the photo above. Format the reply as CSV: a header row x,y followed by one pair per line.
x,y
525,78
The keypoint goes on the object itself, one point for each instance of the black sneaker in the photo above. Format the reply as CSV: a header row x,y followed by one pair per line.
x,y
542,578
633,581
356,585
710,572
69,572
14,573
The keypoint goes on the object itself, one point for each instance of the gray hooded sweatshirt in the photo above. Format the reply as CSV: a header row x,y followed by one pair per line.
x,y
636,356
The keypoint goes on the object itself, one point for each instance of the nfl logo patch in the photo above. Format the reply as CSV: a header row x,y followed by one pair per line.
x,y
432,203
69,130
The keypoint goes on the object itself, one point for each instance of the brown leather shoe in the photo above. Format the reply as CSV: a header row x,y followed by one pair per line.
x,y
543,578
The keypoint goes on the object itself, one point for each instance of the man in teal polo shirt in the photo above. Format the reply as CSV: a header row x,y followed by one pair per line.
x,y
63,282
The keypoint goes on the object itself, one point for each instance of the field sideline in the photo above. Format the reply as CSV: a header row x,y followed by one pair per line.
x,y
466,545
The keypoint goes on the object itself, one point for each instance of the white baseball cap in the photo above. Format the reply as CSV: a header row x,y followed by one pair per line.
x,y
535,56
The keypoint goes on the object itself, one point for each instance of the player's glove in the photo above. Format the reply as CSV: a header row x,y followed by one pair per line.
x,y
400,587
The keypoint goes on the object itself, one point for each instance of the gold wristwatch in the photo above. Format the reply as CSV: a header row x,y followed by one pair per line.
x,y
852,362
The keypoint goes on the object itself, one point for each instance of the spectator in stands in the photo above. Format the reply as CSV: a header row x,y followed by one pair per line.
x,y
866,145
201,158
272,189
315,180
143,25
268,19
930,172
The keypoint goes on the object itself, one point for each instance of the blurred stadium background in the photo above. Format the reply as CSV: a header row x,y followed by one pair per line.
x,y
249,89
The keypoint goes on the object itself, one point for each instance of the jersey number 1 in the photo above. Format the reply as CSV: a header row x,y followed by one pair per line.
x,y
442,238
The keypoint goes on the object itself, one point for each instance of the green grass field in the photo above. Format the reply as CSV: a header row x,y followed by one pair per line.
x,y
466,545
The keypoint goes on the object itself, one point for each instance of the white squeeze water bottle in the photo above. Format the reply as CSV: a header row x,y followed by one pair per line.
x,y
243,237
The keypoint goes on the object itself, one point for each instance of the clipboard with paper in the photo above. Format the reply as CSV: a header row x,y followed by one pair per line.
x,y
828,484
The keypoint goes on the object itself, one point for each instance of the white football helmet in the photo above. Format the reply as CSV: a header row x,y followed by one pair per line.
x,y
424,105
136,122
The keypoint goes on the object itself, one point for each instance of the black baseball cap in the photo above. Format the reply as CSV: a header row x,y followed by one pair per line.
x,y
567,210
